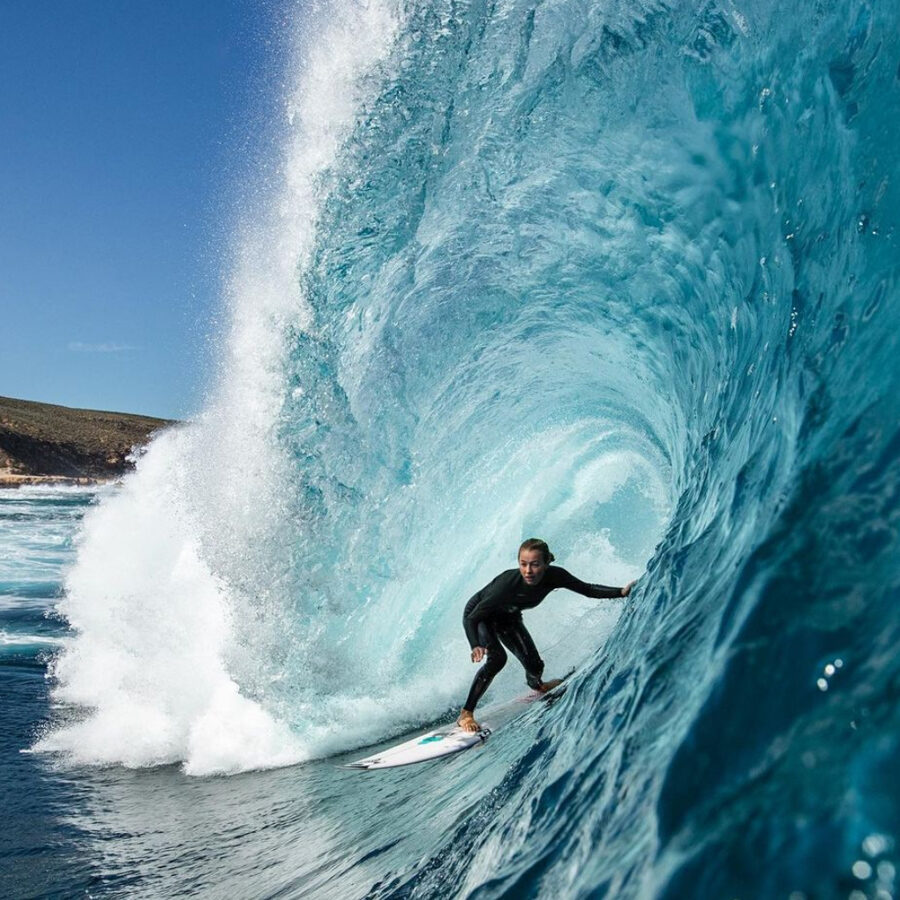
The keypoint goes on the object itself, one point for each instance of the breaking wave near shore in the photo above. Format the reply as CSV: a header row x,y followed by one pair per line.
x,y
622,275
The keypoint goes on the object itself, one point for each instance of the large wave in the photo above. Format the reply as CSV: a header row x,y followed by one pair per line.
x,y
622,275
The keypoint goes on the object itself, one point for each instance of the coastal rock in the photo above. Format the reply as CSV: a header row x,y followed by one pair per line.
x,y
40,442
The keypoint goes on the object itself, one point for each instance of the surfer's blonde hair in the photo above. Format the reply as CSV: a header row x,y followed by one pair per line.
x,y
537,544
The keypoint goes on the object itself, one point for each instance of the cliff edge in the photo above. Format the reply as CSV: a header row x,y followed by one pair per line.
x,y
40,442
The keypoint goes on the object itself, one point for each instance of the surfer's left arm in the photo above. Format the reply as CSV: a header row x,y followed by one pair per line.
x,y
598,591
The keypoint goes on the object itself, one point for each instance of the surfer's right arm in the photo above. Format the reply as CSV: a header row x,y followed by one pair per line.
x,y
471,617
480,606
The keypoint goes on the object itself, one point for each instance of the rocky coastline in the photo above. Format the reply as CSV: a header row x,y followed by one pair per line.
x,y
41,443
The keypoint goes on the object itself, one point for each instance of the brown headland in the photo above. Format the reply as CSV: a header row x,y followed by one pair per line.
x,y
42,443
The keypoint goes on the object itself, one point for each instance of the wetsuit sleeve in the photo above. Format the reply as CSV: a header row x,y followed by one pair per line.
x,y
598,591
487,602
471,620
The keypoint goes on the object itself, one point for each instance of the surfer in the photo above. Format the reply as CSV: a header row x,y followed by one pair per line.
x,y
493,618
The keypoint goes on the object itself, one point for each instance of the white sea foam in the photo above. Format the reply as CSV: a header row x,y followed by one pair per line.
x,y
152,627
151,598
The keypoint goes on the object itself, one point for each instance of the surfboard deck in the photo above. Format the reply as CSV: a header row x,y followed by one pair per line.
x,y
431,745
451,739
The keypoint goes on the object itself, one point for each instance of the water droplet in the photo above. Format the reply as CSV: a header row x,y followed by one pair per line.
x,y
886,871
862,870
822,684
876,844
829,670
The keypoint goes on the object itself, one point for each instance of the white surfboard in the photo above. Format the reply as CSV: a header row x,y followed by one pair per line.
x,y
432,745
450,738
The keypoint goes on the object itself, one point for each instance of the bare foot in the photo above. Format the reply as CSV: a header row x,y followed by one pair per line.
x,y
549,685
467,722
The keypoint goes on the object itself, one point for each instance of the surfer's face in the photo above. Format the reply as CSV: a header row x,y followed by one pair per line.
x,y
532,566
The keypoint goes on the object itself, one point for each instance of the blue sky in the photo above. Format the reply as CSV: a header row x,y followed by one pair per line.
x,y
128,130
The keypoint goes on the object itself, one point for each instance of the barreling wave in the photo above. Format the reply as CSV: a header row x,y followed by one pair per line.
x,y
620,274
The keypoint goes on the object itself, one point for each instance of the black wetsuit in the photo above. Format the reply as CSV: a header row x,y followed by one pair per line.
x,y
493,617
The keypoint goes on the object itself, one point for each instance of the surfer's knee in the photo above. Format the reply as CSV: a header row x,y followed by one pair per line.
x,y
496,659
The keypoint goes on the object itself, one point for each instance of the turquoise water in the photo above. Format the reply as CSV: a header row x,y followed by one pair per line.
x,y
621,275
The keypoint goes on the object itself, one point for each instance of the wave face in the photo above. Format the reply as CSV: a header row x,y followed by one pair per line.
x,y
619,274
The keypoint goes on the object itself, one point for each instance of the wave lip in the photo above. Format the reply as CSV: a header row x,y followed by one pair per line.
x,y
159,582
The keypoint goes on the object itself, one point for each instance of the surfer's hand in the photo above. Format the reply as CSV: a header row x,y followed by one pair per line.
x,y
627,589
478,654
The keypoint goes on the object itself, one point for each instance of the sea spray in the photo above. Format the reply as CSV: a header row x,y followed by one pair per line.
x,y
163,598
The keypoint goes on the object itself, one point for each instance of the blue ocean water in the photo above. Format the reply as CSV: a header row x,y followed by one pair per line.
x,y
619,274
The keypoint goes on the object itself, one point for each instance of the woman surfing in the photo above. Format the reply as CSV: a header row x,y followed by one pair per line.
x,y
493,619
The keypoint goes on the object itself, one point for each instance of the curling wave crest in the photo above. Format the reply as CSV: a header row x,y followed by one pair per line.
x,y
622,275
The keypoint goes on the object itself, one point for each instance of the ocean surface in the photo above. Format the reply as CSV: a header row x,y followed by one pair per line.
x,y
619,274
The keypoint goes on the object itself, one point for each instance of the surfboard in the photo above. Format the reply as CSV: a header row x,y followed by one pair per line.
x,y
451,738
431,745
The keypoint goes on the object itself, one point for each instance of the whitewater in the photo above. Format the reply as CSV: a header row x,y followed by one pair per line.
x,y
619,274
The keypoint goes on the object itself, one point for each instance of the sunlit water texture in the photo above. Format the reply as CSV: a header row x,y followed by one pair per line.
x,y
620,275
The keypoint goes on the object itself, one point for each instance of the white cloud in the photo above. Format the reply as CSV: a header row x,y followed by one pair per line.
x,y
108,347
